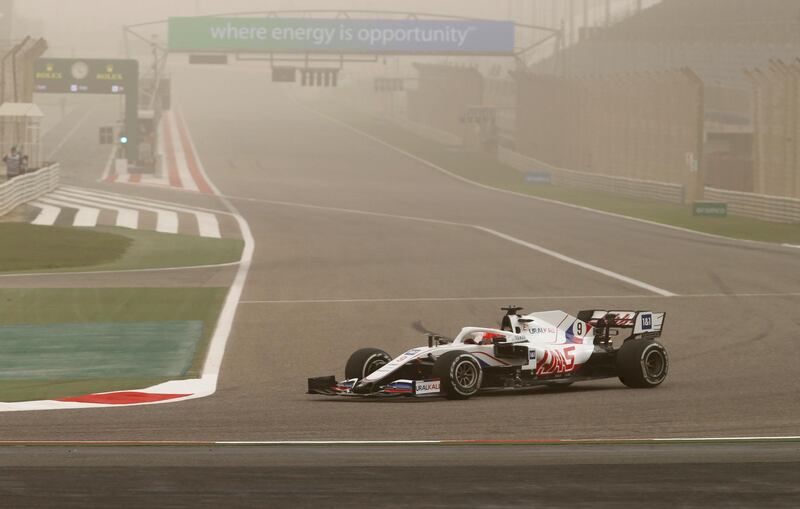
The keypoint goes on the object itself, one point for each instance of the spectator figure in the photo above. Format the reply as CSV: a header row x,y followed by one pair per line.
x,y
15,163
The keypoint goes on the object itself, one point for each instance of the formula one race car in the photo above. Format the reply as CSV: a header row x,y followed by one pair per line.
x,y
549,348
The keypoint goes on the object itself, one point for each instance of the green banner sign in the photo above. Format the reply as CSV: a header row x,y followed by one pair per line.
x,y
708,208
378,36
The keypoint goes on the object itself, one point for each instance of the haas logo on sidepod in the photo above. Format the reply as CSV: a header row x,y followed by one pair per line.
x,y
556,362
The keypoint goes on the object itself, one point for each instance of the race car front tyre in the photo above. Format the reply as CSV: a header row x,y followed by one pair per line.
x,y
365,361
460,374
642,363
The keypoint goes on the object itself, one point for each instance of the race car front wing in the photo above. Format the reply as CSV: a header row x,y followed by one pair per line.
x,y
328,386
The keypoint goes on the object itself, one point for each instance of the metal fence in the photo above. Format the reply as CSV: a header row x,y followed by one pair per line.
x,y
16,70
642,126
758,206
633,188
28,187
17,86
776,99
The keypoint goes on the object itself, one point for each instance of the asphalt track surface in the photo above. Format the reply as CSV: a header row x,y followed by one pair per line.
x,y
390,476
327,279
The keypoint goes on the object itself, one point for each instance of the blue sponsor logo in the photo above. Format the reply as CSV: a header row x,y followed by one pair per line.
x,y
647,321
538,177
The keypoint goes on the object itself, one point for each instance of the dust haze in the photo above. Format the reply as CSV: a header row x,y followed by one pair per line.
x,y
273,224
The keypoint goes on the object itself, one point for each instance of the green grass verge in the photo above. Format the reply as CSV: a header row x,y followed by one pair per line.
x,y
32,248
485,169
153,250
69,305
36,390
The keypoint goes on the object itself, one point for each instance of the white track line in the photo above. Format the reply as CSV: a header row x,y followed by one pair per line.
x,y
48,215
120,271
441,299
335,442
166,220
539,249
563,441
436,442
149,201
85,216
126,218
187,182
573,261
522,195
219,340
741,295
207,224
206,385
600,270
518,298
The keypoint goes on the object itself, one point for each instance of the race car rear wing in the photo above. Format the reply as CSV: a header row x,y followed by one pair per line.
x,y
646,324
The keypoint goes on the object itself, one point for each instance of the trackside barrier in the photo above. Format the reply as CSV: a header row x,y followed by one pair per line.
x,y
633,188
776,108
777,209
28,187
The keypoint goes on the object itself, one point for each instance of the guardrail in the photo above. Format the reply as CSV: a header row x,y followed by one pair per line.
x,y
28,187
777,209
633,188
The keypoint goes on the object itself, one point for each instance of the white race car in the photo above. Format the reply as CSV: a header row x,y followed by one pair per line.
x,y
550,348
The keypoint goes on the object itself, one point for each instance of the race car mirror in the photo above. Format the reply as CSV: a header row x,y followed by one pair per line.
x,y
434,340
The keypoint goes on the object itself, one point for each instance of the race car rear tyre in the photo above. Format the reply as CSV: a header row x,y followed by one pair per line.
x,y
642,363
460,374
365,361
